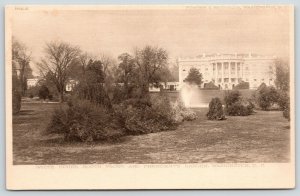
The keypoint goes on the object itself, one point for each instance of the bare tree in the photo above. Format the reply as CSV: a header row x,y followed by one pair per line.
x,y
59,56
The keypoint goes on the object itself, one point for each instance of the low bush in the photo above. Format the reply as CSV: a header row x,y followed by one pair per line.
x,y
43,92
16,101
84,121
235,105
282,99
210,86
33,91
242,85
152,114
140,116
180,113
240,108
266,97
215,111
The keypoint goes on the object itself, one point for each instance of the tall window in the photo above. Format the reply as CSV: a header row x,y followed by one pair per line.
x,y
232,65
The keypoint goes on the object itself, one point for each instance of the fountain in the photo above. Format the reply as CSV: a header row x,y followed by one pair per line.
x,y
191,96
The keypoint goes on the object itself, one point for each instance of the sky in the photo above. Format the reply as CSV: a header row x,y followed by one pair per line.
x,y
185,31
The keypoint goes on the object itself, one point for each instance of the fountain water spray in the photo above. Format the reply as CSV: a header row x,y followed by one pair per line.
x,y
191,96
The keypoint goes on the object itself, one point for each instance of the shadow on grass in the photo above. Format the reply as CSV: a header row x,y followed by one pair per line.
x,y
58,139
26,112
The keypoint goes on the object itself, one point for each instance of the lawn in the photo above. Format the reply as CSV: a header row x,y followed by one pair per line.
x,y
262,137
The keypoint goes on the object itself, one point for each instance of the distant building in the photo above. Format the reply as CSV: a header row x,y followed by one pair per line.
x,y
227,70
31,82
70,85
168,86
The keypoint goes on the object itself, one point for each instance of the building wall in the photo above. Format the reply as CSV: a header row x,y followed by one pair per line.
x,y
227,70
32,82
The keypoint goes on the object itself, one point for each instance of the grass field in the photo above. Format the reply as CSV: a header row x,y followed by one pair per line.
x,y
262,137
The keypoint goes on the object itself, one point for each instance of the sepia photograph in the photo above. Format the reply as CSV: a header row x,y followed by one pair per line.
x,y
150,85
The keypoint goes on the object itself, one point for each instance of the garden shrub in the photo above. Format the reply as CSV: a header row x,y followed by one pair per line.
x,y
180,113
210,86
282,99
286,111
151,114
235,105
240,108
33,91
242,85
266,96
43,92
16,101
147,115
284,103
215,111
84,121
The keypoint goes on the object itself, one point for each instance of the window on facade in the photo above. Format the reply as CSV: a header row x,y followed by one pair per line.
x,y
214,66
220,80
183,70
232,79
246,68
226,65
254,80
226,79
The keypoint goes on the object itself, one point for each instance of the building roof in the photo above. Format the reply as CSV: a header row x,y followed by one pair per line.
x,y
223,56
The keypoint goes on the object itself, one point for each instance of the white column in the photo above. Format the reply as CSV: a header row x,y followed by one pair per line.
x,y
236,73
222,74
216,74
229,73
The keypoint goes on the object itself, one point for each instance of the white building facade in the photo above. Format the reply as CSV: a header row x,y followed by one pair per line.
x,y
228,70
32,82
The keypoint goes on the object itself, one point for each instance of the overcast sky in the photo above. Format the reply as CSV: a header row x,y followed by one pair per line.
x,y
182,32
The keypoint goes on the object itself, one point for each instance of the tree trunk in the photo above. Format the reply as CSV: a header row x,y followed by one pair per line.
x,y
61,97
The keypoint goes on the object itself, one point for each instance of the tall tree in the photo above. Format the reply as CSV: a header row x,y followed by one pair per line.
x,y
150,61
282,72
194,77
58,58
126,71
92,85
21,57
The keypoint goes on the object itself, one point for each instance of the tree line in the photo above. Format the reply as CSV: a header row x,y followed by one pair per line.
x,y
62,61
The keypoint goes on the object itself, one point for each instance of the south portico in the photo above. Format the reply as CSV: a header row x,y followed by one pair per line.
x,y
228,70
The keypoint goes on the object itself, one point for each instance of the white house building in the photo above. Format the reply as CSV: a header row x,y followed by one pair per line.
x,y
227,70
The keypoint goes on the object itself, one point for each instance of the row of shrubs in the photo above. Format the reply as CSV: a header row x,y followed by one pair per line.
x,y
83,120
235,105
